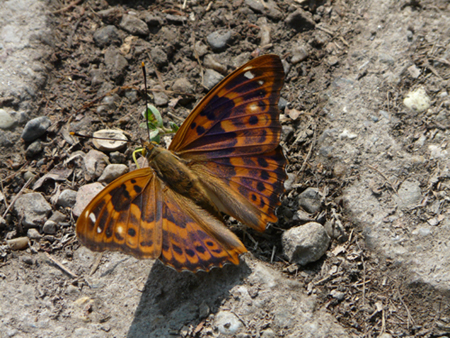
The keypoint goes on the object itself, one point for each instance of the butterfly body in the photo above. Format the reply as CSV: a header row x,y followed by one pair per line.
x,y
174,173
225,158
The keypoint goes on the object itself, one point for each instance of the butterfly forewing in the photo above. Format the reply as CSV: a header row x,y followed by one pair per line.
x,y
238,117
124,216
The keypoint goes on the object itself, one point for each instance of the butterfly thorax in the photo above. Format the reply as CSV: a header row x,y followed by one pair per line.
x,y
176,174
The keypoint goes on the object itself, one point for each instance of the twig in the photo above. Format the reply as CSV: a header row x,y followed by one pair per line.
x,y
72,4
410,318
62,267
307,157
96,263
385,178
17,196
3,192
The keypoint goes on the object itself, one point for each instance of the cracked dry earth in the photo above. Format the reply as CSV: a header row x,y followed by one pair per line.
x,y
365,116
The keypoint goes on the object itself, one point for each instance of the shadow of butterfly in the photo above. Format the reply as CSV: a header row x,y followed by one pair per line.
x,y
225,158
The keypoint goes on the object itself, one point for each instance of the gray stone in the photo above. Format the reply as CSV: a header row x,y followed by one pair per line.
x,y
106,36
227,323
176,19
409,194
58,216
160,98
201,49
210,62
134,25
95,162
306,243
34,149
67,198
97,77
32,233
84,195
35,128
115,63
7,121
299,54
300,20
153,20
112,172
50,228
211,78
310,200
183,85
108,103
33,208
159,56
266,7
339,295
219,40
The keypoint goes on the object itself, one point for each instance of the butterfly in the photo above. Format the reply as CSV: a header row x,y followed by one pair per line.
x,y
224,159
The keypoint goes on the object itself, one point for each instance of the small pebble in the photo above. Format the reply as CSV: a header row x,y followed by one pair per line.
x,y
417,100
112,172
32,233
227,323
183,85
67,198
159,56
35,128
106,36
339,295
50,227
116,64
134,25
95,162
34,149
310,200
219,40
7,121
211,78
28,260
117,140
305,243
300,20
19,243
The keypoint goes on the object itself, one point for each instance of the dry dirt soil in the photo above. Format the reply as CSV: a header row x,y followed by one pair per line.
x,y
346,132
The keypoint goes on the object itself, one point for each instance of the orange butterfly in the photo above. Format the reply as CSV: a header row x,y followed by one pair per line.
x,y
225,158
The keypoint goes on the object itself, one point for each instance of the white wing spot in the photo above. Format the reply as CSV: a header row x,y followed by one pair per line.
x,y
119,230
260,82
92,217
99,230
249,75
253,107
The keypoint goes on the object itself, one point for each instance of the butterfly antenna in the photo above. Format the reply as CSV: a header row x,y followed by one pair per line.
x,y
146,99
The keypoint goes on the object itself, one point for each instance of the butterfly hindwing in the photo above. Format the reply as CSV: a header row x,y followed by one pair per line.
x,y
193,239
238,117
248,188
136,215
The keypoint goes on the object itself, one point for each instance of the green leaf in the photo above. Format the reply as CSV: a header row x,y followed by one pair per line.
x,y
152,115
154,136
173,126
